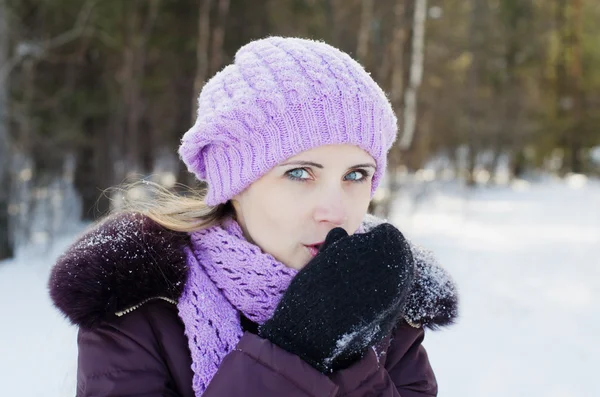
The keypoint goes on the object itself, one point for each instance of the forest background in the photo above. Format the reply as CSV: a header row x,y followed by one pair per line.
x,y
94,93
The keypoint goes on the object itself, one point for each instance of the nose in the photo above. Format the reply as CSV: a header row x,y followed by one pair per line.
x,y
330,207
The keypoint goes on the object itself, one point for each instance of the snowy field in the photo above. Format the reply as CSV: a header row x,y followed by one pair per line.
x,y
527,263
526,260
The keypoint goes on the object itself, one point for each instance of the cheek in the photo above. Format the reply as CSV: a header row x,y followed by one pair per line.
x,y
274,221
361,194
282,209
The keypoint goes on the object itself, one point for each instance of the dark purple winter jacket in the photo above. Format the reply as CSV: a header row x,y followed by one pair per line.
x,y
120,282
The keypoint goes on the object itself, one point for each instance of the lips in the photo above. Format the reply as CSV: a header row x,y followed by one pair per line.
x,y
313,249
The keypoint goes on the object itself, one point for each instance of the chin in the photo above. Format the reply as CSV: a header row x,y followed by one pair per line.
x,y
303,263
297,264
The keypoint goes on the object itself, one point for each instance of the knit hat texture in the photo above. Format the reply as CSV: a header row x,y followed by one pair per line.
x,y
280,97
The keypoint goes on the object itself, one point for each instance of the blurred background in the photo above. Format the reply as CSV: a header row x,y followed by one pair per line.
x,y
496,168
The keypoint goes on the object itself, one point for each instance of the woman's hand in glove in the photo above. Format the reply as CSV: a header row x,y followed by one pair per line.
x,y
345,300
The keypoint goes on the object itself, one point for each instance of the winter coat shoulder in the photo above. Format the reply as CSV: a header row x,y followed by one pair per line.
x,y
120,282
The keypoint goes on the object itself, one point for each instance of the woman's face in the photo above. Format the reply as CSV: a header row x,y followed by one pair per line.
x,y
289,211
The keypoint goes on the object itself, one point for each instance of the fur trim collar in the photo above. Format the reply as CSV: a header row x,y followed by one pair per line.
x,y
128,259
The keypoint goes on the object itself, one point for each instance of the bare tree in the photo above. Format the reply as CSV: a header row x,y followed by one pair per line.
x,y
139,28
474,106
364,32
407,55
415,75
6,246
202,48
202,70
398,48
336,12
509,135
568,71
41,48
26,56
218,37
576,130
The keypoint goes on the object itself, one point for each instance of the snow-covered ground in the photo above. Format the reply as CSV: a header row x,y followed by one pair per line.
x,y
38,350
527,263
526,260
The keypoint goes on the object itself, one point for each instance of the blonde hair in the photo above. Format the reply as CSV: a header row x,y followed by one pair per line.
x,y
187,212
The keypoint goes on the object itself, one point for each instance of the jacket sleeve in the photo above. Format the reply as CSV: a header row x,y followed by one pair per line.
x,y
257,367
408,365
262,369
129,356
406,372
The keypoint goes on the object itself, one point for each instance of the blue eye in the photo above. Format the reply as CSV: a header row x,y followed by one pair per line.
x,y
356,176
298,174
302,175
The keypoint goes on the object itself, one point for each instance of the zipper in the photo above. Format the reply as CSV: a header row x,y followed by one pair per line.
x,y
174,302
414,325
132,308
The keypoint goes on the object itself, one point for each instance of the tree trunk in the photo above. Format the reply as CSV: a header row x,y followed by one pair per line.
x,y
335,17
509,124
474,113
202,44
563,99
202,69
576,69
415,75
398,41
509,136
399,53
569,82
27,130
6,241
94,171
218,37
137,35
364,32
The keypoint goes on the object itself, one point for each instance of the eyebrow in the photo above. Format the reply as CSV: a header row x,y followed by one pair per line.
x,y
320,166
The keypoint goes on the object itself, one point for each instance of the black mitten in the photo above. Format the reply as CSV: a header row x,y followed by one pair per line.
x,y
345,300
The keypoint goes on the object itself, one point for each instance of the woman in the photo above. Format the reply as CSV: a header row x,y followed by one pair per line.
x,y
276,282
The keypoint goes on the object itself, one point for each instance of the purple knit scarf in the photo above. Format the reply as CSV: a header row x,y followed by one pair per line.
x,y
227,275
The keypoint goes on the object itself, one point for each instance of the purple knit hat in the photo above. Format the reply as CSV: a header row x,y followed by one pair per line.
x,y
280,97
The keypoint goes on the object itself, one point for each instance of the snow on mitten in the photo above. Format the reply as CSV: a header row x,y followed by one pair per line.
x,y
345,300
